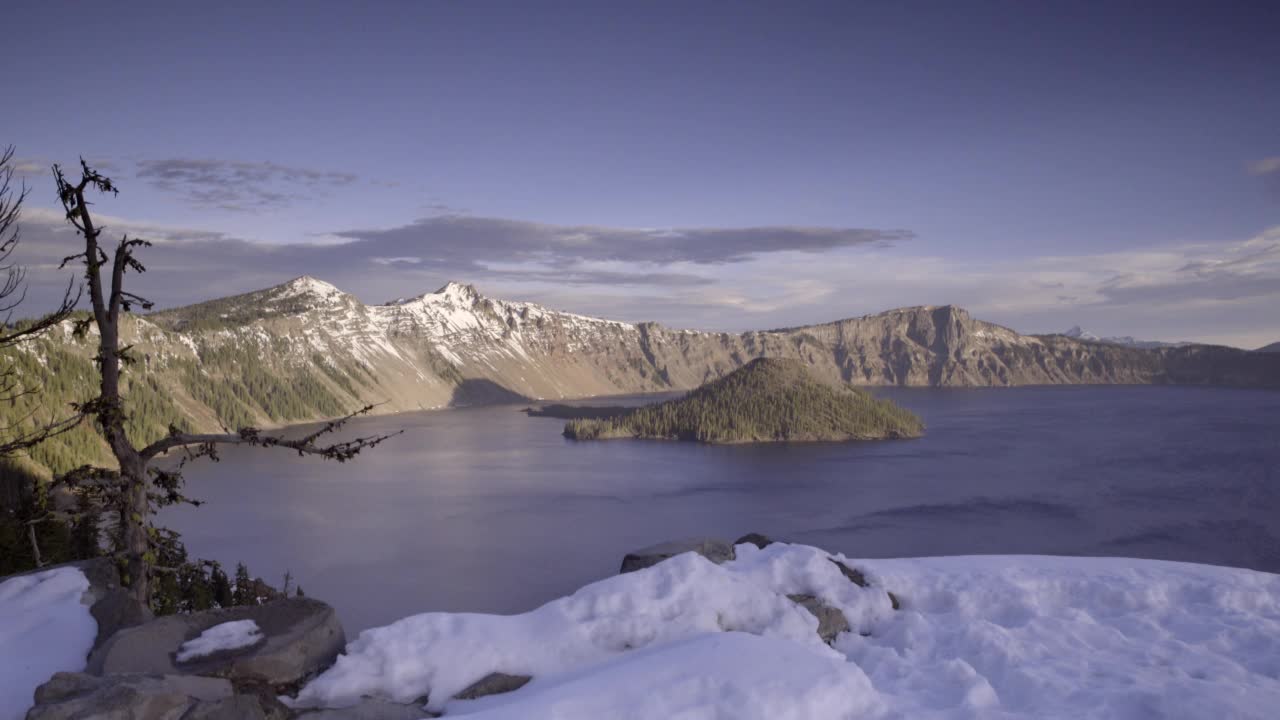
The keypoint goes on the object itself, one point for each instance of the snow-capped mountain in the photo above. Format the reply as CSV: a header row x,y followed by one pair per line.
x,y
306,350
1078,333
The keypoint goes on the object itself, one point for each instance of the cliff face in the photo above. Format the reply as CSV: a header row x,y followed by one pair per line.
x,y
457,347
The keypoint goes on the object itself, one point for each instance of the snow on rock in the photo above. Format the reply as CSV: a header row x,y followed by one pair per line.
x,y
994,636
226,636
309,287
44,628
673,600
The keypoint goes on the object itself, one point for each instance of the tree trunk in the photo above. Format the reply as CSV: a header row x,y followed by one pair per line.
x,y
35,545
135,542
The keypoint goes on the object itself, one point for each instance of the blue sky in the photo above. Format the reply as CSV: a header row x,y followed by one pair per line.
x,y
722,165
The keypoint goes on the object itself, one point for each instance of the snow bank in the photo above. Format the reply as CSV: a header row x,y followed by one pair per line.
x,y
44,628
995,636
226,636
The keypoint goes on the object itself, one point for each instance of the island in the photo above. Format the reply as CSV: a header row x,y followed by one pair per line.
x,y
766,400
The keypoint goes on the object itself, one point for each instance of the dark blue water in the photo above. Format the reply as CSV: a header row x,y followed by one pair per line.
x,y
488,510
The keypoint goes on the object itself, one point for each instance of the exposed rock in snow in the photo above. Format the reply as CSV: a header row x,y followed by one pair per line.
x,y
72,696
717,551
493,684
296,638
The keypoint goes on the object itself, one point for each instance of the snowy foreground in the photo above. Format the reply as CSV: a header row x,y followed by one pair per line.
x,y
985,637
991,636
44,628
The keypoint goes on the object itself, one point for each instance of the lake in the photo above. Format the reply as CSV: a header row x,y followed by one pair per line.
x,y
487,510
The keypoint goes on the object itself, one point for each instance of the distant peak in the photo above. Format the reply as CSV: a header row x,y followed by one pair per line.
x,y
459,291
307,285
1080,333
454,287
450,292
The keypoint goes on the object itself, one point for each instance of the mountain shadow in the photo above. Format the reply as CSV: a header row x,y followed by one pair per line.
x,y
480,391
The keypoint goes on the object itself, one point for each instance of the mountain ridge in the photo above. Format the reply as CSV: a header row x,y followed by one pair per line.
x,y
305,350
1078,333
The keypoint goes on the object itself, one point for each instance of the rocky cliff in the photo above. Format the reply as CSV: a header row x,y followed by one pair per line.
x,y
306,349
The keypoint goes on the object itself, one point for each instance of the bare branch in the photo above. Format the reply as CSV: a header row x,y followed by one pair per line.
x,y
306,445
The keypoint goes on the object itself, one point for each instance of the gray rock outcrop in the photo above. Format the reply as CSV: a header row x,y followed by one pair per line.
x,y
717,551
76,696
760,541
369,709
831,621
493,684
301,636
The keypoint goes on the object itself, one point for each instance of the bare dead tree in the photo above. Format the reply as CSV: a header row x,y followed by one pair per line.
x,y
30,429
137,487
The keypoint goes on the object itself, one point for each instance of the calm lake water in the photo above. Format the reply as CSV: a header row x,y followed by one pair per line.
x,y
488,510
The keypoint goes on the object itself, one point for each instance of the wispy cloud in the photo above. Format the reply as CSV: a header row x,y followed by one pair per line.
x,y
1266,166
237,185
469,241
725,279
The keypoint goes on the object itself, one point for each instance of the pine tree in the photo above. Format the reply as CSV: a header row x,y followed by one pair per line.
x,y
243,592
220,585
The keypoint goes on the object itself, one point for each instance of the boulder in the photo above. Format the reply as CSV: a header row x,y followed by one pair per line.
x,y
717,551
72,696
831,621
493,684
236,707
301,637
369,709
855,576
760,541
112,606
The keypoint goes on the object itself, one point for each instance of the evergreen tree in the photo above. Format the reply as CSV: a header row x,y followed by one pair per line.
x,y
243,593
220,586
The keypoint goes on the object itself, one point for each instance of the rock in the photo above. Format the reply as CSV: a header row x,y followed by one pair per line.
x,y
893,600
301,637
369,709
127,697
855,576
65,685
266,696
236,707
717,551
112,606
831,621
760,541
493,684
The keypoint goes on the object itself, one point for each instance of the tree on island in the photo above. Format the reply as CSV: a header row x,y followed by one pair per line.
x,y
138,486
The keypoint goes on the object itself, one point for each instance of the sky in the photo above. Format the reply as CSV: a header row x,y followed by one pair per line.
x,y
710,165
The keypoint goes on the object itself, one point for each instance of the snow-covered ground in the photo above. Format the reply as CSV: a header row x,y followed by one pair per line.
x,y
44,628
991,636
976,637
225,636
